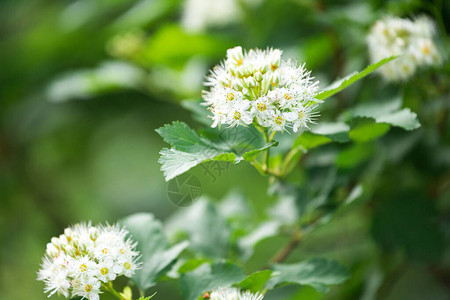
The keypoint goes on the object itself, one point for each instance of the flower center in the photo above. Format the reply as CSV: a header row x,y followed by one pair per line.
x,y
261,107
278,120
426,49
301,114
104,271
230,96
287,96
127,266
88,288
237,115
105,251
122,251
83,268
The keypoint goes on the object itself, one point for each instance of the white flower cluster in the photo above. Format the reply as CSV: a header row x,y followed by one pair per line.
x,y
234,294
84,257
259,86
412,40
199,15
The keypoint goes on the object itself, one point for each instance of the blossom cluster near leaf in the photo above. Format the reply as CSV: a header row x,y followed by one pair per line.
x,y
79,261
259,108
412,40
260,86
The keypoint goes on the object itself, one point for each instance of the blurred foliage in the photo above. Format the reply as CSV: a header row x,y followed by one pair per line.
x,y
64,159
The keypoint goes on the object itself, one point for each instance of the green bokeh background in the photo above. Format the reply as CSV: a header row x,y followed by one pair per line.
x,y
92,154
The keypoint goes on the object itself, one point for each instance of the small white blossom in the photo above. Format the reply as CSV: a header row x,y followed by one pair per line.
x,y
260,87
88,288
199,15
412,40
234,294
78,261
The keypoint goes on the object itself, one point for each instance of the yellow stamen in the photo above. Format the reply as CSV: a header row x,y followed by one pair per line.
x,y
279,120
83,268
261,107
237,115
301,114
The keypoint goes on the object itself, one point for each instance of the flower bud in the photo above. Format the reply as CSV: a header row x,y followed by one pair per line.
x,y
93,233
51,250
55,241
238,85
68,232
250,82
264,68
71,251
232,69
275,59
258,76
275,78
235,54
240,72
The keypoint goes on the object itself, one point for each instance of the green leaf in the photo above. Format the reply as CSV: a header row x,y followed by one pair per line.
x,y
337,132
209,277
157,258
110,76
265,230
317,272
368,131
182,137
341,84
170,45
255,282
253,154
354,155
149,297
142,13
404,118
388,112
174,162
189,149
308,140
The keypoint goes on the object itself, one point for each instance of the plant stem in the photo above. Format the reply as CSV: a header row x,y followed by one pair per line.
x,y
284,252
268,139
109,287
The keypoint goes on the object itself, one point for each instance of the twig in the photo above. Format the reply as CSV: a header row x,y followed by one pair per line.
x,y
287,250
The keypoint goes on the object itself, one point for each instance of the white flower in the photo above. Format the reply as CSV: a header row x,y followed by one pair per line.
x,y
78,261
55,278
411,39
200,14
301,116
87,288
234,294
106,271
260,87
